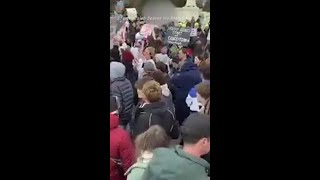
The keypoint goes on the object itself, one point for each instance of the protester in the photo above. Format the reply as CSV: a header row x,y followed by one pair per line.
x,y
148,56
191,100
121,148
166,93
138,107
199,59
163,57
183,81
130,74
115,54
154,111
127,59
154,137
148,68
203,97
183,163
122,88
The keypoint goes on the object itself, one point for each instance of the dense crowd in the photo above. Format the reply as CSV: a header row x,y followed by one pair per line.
x,y
160,106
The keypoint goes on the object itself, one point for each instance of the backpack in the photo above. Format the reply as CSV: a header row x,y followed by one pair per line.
x,y
172,128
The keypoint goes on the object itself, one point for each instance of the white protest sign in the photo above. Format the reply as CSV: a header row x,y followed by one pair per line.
x,y
193,32
132,13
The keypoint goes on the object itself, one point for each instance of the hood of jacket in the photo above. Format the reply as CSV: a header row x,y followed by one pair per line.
x,y
117,70
114,121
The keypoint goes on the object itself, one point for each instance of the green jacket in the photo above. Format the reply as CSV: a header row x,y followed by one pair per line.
x,y
175,164
136,171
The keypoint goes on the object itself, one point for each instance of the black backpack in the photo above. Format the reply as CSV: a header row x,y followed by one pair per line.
x,y
167,121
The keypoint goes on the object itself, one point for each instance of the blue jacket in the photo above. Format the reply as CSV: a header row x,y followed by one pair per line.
x,y
187,78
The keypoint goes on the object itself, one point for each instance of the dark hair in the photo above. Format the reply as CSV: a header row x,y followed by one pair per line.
x,y
162,67
115,54
159,77
139,84
204,68
195,128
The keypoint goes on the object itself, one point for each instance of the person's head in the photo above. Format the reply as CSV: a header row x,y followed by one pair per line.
x,y
162,67
164,50
198,59
154,137
115,54
149,67
149,53
127,56
117,70
203,92
152,91
159,77
139,85
183,53
195,133
204,69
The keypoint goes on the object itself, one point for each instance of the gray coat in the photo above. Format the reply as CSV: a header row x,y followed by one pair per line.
x,y
122,88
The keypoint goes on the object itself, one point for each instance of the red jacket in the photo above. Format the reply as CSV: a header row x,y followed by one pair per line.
x,y
121,148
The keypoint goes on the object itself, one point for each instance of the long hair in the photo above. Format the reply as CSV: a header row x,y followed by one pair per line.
x,y
151,139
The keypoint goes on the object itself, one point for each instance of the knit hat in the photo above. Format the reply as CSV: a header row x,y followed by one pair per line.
x,y
149,66
127,56
117,70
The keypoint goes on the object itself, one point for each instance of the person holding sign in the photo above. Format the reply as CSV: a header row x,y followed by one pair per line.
x,y
183,81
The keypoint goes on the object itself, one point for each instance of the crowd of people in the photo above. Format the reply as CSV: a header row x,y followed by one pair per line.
x,y
159,107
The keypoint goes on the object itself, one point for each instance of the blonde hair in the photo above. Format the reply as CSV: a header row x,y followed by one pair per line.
x,y
152,91
151,139
151,51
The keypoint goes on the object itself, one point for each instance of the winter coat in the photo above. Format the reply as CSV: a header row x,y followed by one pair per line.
x,y
121,148
122,88
175,164
136,171
183,81
155,114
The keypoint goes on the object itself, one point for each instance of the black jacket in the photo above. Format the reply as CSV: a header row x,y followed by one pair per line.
x,y
155,114
122,88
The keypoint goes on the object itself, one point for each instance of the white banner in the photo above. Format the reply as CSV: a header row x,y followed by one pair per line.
x,y
132,13
193,32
